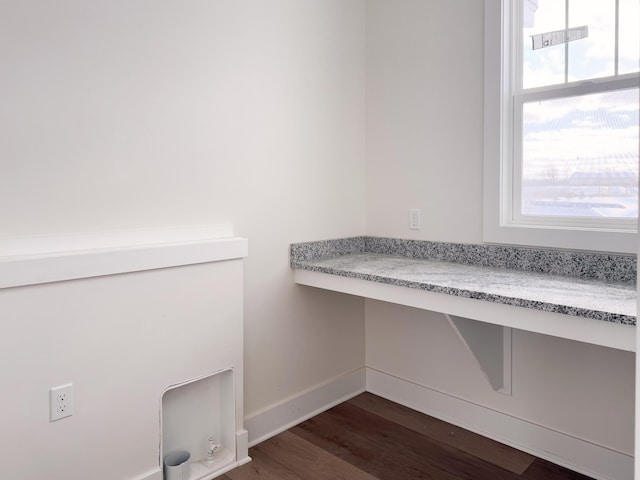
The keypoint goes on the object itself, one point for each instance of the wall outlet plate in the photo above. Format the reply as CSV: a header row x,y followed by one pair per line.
x,y
60,402
414,219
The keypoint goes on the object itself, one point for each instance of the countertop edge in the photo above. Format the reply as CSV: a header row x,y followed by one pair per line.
x,y
610,317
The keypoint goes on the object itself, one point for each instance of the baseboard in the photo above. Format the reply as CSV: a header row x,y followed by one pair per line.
x,y
241,452
585,457
299,408
155,475
242,447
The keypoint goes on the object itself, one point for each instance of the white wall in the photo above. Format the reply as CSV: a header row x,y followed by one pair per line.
x,y
424,150
118,115
424,118
121,340
121,115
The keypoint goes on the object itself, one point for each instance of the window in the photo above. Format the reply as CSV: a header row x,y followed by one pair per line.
x,y
562,123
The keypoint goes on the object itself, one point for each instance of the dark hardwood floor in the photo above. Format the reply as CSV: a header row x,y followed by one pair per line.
x,y
370,438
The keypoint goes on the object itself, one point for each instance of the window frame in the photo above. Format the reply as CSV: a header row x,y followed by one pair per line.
x,y
499,76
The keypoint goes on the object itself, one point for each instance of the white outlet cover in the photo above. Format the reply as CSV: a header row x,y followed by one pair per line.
x,y
414,219
60,402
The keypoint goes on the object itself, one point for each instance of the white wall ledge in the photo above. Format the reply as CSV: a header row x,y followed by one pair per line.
x,y
36,260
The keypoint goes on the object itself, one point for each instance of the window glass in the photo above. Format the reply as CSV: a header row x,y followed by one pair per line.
x,y
544,66
593,56
580,156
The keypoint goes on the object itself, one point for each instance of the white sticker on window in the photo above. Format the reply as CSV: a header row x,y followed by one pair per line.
x,y
549,39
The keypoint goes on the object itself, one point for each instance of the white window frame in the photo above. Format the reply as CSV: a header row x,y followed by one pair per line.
x,y
499,111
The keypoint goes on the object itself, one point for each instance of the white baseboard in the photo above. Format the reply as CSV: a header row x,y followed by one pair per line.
x,y
241,451
155,475
242,447
560,448
295,410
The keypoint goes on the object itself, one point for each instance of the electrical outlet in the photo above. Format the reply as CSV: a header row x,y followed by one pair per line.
x,y
414,219
60,402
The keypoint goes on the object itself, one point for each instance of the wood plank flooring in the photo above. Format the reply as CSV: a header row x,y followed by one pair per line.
x,y
370,438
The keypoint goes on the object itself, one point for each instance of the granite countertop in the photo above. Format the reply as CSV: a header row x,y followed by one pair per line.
x,y
579,291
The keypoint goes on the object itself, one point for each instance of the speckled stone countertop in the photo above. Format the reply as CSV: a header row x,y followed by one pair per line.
x,y
590,285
